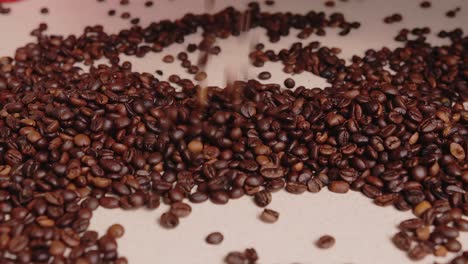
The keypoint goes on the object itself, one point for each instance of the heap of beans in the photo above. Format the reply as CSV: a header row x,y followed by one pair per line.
x,y
71,141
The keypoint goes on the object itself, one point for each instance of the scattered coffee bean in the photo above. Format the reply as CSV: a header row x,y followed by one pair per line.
x,y
325,242
269,216
214,238
168,59
149,3
200,76
116,231
264,75
44,10
425,4
289,83
169,220
329,3
125,15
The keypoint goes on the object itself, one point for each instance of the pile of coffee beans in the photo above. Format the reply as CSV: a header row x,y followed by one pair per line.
x,y
72,141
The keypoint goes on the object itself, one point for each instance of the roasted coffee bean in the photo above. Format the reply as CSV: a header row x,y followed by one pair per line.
x,y
289,83
339,186
402,241
269,216
325,242
262,198
116,231
214,238
264,75
169,220
181,209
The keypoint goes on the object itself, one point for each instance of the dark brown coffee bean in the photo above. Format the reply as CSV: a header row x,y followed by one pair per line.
x,y
262,198
220,197
169,220
181,209
125,15
214,238
168,59
425,4
18,243
264,75
325,242
44,10
289,83
453,245
417,253
149,3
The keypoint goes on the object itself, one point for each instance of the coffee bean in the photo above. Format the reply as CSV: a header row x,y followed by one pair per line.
x,y
289,83
56,248
149,3
82,140
325,242
195,146
457,151
200,76
269,216
18,243
107,244
339,186
329,3
125,15
402,241
181,209
116,231
168,59
109,202
417,253
425,4
214,238
262,198
44,10
421,208
264,75
453,245
169,220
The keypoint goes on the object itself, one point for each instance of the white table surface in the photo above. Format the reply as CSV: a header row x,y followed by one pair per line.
x,y
362,230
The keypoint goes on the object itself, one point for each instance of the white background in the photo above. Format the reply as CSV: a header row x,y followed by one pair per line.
x,y
362,230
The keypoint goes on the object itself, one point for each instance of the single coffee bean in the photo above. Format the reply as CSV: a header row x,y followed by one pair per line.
x,y
289,83
325,242
402,241
168,59
264,75
425,4
214,238
116,231
269,216
149,3
169,220
263,198
181,209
